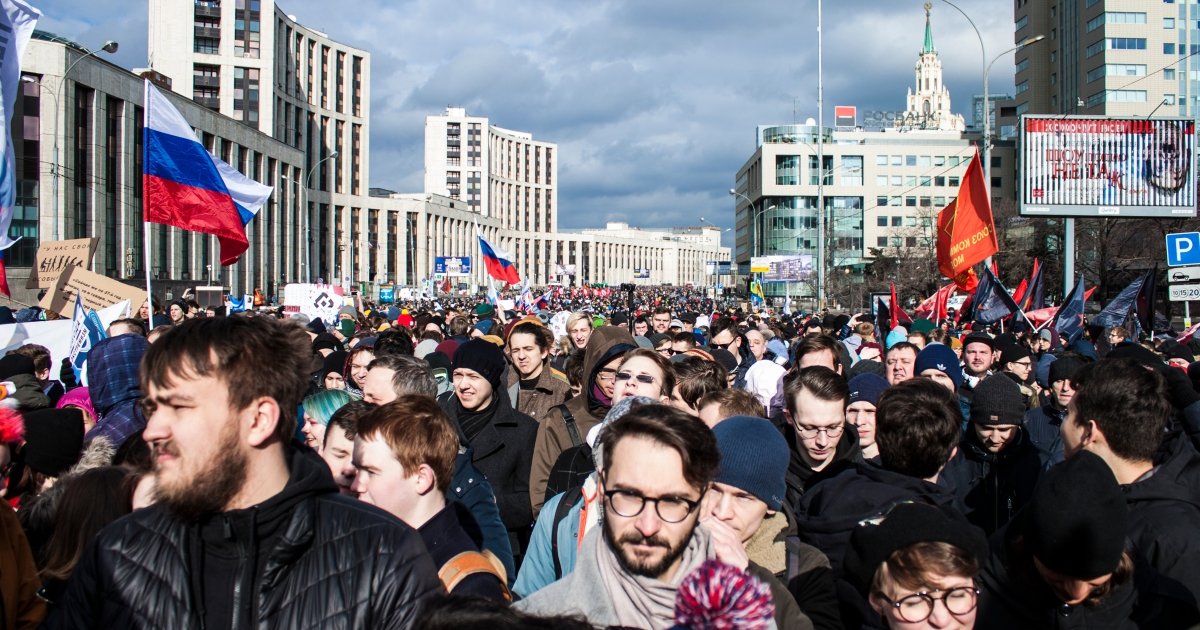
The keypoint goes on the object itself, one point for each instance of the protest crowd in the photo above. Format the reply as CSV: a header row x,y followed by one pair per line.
x,y
599,457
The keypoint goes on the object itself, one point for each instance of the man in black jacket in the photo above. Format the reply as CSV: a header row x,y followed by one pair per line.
x,y
247,532
1120,412
816,412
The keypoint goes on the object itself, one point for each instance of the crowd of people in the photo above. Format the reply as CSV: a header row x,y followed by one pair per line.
x,y
647,459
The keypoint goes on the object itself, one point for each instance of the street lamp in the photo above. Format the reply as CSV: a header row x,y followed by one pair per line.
x,y
308,215
109,47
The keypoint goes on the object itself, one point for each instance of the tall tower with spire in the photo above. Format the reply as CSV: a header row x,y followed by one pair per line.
x,y
929,104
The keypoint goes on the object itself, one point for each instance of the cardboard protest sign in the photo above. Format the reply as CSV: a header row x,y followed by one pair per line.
x,y
55,256
314,300
97,291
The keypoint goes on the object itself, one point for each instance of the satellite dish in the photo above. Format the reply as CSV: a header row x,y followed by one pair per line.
x,y
810,122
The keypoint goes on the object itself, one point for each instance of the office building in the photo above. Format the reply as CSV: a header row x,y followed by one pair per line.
x,y
1107,57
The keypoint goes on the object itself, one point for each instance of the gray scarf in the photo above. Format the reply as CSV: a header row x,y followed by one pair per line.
x,y
643,602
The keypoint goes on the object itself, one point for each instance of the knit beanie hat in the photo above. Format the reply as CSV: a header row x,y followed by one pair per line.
x,y
876,539
326,341
334,363
53,440
1077,518
485,310
754,458
896,336
938,357
725,358
866,387
1013,352
998,400
485,325
483,357
15,364
1064,368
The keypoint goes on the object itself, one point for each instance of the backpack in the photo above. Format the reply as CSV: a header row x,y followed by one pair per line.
x,y
469,563
568,500
574,464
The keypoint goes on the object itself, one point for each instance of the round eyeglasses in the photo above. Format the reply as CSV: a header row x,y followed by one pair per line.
x,y
918,607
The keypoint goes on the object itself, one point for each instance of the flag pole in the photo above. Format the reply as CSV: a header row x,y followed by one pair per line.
x,y
146,224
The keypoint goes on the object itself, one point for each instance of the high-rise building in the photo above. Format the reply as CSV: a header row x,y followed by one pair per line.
x,y
1107,57
929,101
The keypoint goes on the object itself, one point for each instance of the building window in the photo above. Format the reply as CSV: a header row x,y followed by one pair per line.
x,y
787,170
1115,17
1168,23
881,221
1169,74
1022,87
881,241
881,160
1022,22
1022,65
1168,99
247,27
1168,48
246,95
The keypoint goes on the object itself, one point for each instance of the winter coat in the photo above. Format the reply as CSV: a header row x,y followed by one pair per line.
x,y
992,486
471,488
606,343
28,392
333,563
445,537
503,452
115,389
800,475
20,607
550,391
1013,596
1043,425
1164,515
834,506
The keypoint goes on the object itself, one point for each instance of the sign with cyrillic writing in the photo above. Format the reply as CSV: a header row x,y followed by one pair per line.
x,y
96,291
54,256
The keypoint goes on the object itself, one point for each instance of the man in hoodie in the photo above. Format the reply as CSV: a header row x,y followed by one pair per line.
x,y
1120,412
247,531
115,389
566,425
816,411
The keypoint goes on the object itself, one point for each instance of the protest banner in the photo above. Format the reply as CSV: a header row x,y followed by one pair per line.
x,y
314,300
97,291
54,256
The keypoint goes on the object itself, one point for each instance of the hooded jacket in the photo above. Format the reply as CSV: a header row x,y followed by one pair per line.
x,y
305,558
1164,514
115,388
992,486
606,343
1044,428
800,475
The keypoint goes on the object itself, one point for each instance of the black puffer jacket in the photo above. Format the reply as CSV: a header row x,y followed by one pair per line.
x,y
1164,514
992,486
336,563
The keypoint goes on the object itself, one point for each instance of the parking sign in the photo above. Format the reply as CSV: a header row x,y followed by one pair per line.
x,y
1183,249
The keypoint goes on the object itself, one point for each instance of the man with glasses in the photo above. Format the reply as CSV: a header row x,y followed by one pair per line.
x,y
1016,362
816,410
917,427
724,335
657,462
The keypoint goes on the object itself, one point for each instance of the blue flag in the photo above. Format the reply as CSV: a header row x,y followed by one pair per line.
x,y
1122,310
1068,320
86,332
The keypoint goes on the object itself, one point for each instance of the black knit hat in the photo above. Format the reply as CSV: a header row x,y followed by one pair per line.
x,y
1064,368
1012,352
484,357
876,539
1077,519
998,400
53,440
14,364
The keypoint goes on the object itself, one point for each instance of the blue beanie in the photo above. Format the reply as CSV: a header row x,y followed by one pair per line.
x,y
896,336
866,387
754,458
939,357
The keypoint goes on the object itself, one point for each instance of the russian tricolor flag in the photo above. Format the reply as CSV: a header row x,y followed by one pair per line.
x,y
189,188
497,261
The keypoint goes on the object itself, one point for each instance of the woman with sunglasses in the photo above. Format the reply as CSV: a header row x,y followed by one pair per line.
x,y
644,372
916,564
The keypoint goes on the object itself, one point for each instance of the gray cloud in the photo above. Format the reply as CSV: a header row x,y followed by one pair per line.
x,y
653,104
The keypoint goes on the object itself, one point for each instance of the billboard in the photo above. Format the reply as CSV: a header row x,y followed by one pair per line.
x,y
452,266
718,267
783,268
561,270
641,273
1087,166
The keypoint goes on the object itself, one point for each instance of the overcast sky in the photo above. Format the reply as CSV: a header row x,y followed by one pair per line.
x,y
653,103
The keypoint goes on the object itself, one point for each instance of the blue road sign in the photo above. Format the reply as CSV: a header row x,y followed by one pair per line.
x,y
1183,249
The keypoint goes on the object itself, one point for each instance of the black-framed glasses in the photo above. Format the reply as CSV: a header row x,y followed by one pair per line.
x,y
918,607
629,504
641,378
810,433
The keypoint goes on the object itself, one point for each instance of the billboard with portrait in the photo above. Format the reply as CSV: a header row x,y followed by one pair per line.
x,y
783,268
1109,167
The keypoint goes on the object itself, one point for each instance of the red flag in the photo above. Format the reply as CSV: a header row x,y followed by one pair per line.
x,y
966,230
1019,293
941,311
966,281
899,317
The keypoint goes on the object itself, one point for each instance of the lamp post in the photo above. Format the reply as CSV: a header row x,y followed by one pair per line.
x,y
308,216
110,47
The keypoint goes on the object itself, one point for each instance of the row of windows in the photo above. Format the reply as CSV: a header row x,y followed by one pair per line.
x,y
1169,48
1116,43
923,161
913,182
1115,17
908,202
1117,96
1117,70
